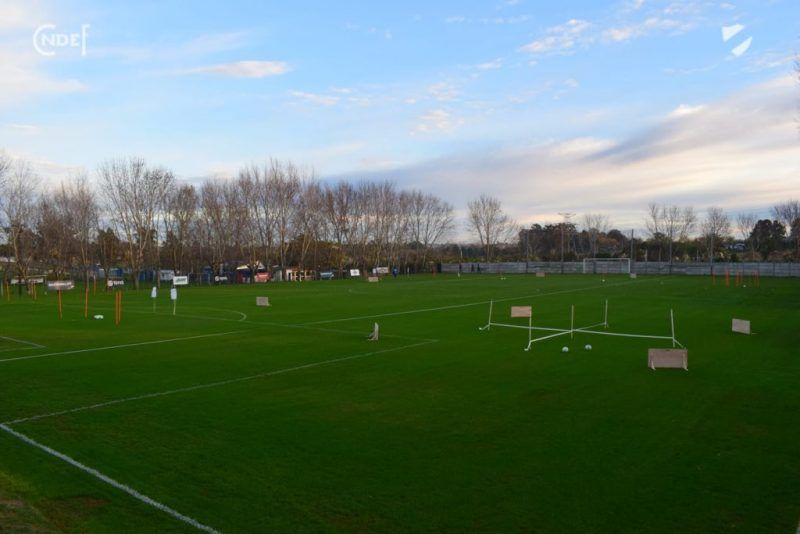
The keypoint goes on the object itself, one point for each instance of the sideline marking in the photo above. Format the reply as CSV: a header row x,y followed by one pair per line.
x,y
215,384
469,304
33,345
95,349
108,480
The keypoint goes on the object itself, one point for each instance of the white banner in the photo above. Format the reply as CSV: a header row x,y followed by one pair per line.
x,y
60,285
355,272
180,280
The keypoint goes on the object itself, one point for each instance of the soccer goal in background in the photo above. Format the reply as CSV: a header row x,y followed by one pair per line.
x,y
606,265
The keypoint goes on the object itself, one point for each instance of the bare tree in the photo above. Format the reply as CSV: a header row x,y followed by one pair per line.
x,y
309,220
181,212
18,209
745,222
213,223
5,166
669,223
135,194
490,223
246,189
655,225
716,227
430,220
595,225
338,208
285,187
788,213
81,202
54,223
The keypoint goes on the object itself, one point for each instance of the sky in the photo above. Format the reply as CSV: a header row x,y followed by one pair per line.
x,y
570,106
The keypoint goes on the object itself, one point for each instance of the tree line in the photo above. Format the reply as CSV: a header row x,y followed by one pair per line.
x,y
277,214
140,217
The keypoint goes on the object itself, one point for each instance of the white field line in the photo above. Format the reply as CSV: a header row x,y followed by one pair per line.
x,y
242,315
144,311
112,347
469,304
18,349
108,480
33,345
215,384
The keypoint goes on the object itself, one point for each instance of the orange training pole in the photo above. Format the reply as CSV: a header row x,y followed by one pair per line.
x,y
86,303
60,313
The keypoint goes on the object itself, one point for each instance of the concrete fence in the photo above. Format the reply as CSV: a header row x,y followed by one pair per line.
x,y
639,267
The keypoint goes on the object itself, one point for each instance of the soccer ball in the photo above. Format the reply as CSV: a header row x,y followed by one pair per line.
x,y
564,349
588,347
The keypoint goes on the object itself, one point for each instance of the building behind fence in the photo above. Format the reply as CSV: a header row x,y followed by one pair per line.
x,y
639,267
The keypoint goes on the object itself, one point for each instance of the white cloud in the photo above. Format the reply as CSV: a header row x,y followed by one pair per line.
x,y
684,110
456,19
490,65
14,15
23,128
771,60
22,77
315,98
739,153
559,39
438,120
505,20
443,91
242,69
652,24
23,72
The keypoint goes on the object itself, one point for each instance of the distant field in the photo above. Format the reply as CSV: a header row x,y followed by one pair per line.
x,y
240,418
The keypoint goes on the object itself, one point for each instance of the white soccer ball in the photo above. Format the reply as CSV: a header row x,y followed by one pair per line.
x,y
98,316
588,347
564,349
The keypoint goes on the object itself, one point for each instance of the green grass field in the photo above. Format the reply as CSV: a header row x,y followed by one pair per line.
x,y
284,418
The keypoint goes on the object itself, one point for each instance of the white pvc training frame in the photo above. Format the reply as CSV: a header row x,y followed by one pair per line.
x,y
582,330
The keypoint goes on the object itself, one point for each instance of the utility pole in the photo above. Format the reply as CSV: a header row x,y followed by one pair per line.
x,y
566,215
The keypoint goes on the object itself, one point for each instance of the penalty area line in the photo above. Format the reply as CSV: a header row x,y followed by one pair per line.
x,y
470,304
22,341
112,347
108,480
215,384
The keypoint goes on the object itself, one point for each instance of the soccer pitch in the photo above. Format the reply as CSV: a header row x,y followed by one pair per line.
x,y
233,418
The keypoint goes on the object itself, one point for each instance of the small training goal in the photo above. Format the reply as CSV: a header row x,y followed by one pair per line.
x,y
606,265
591,329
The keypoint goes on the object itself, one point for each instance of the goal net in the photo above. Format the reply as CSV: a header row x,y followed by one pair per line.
x,y
606,265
